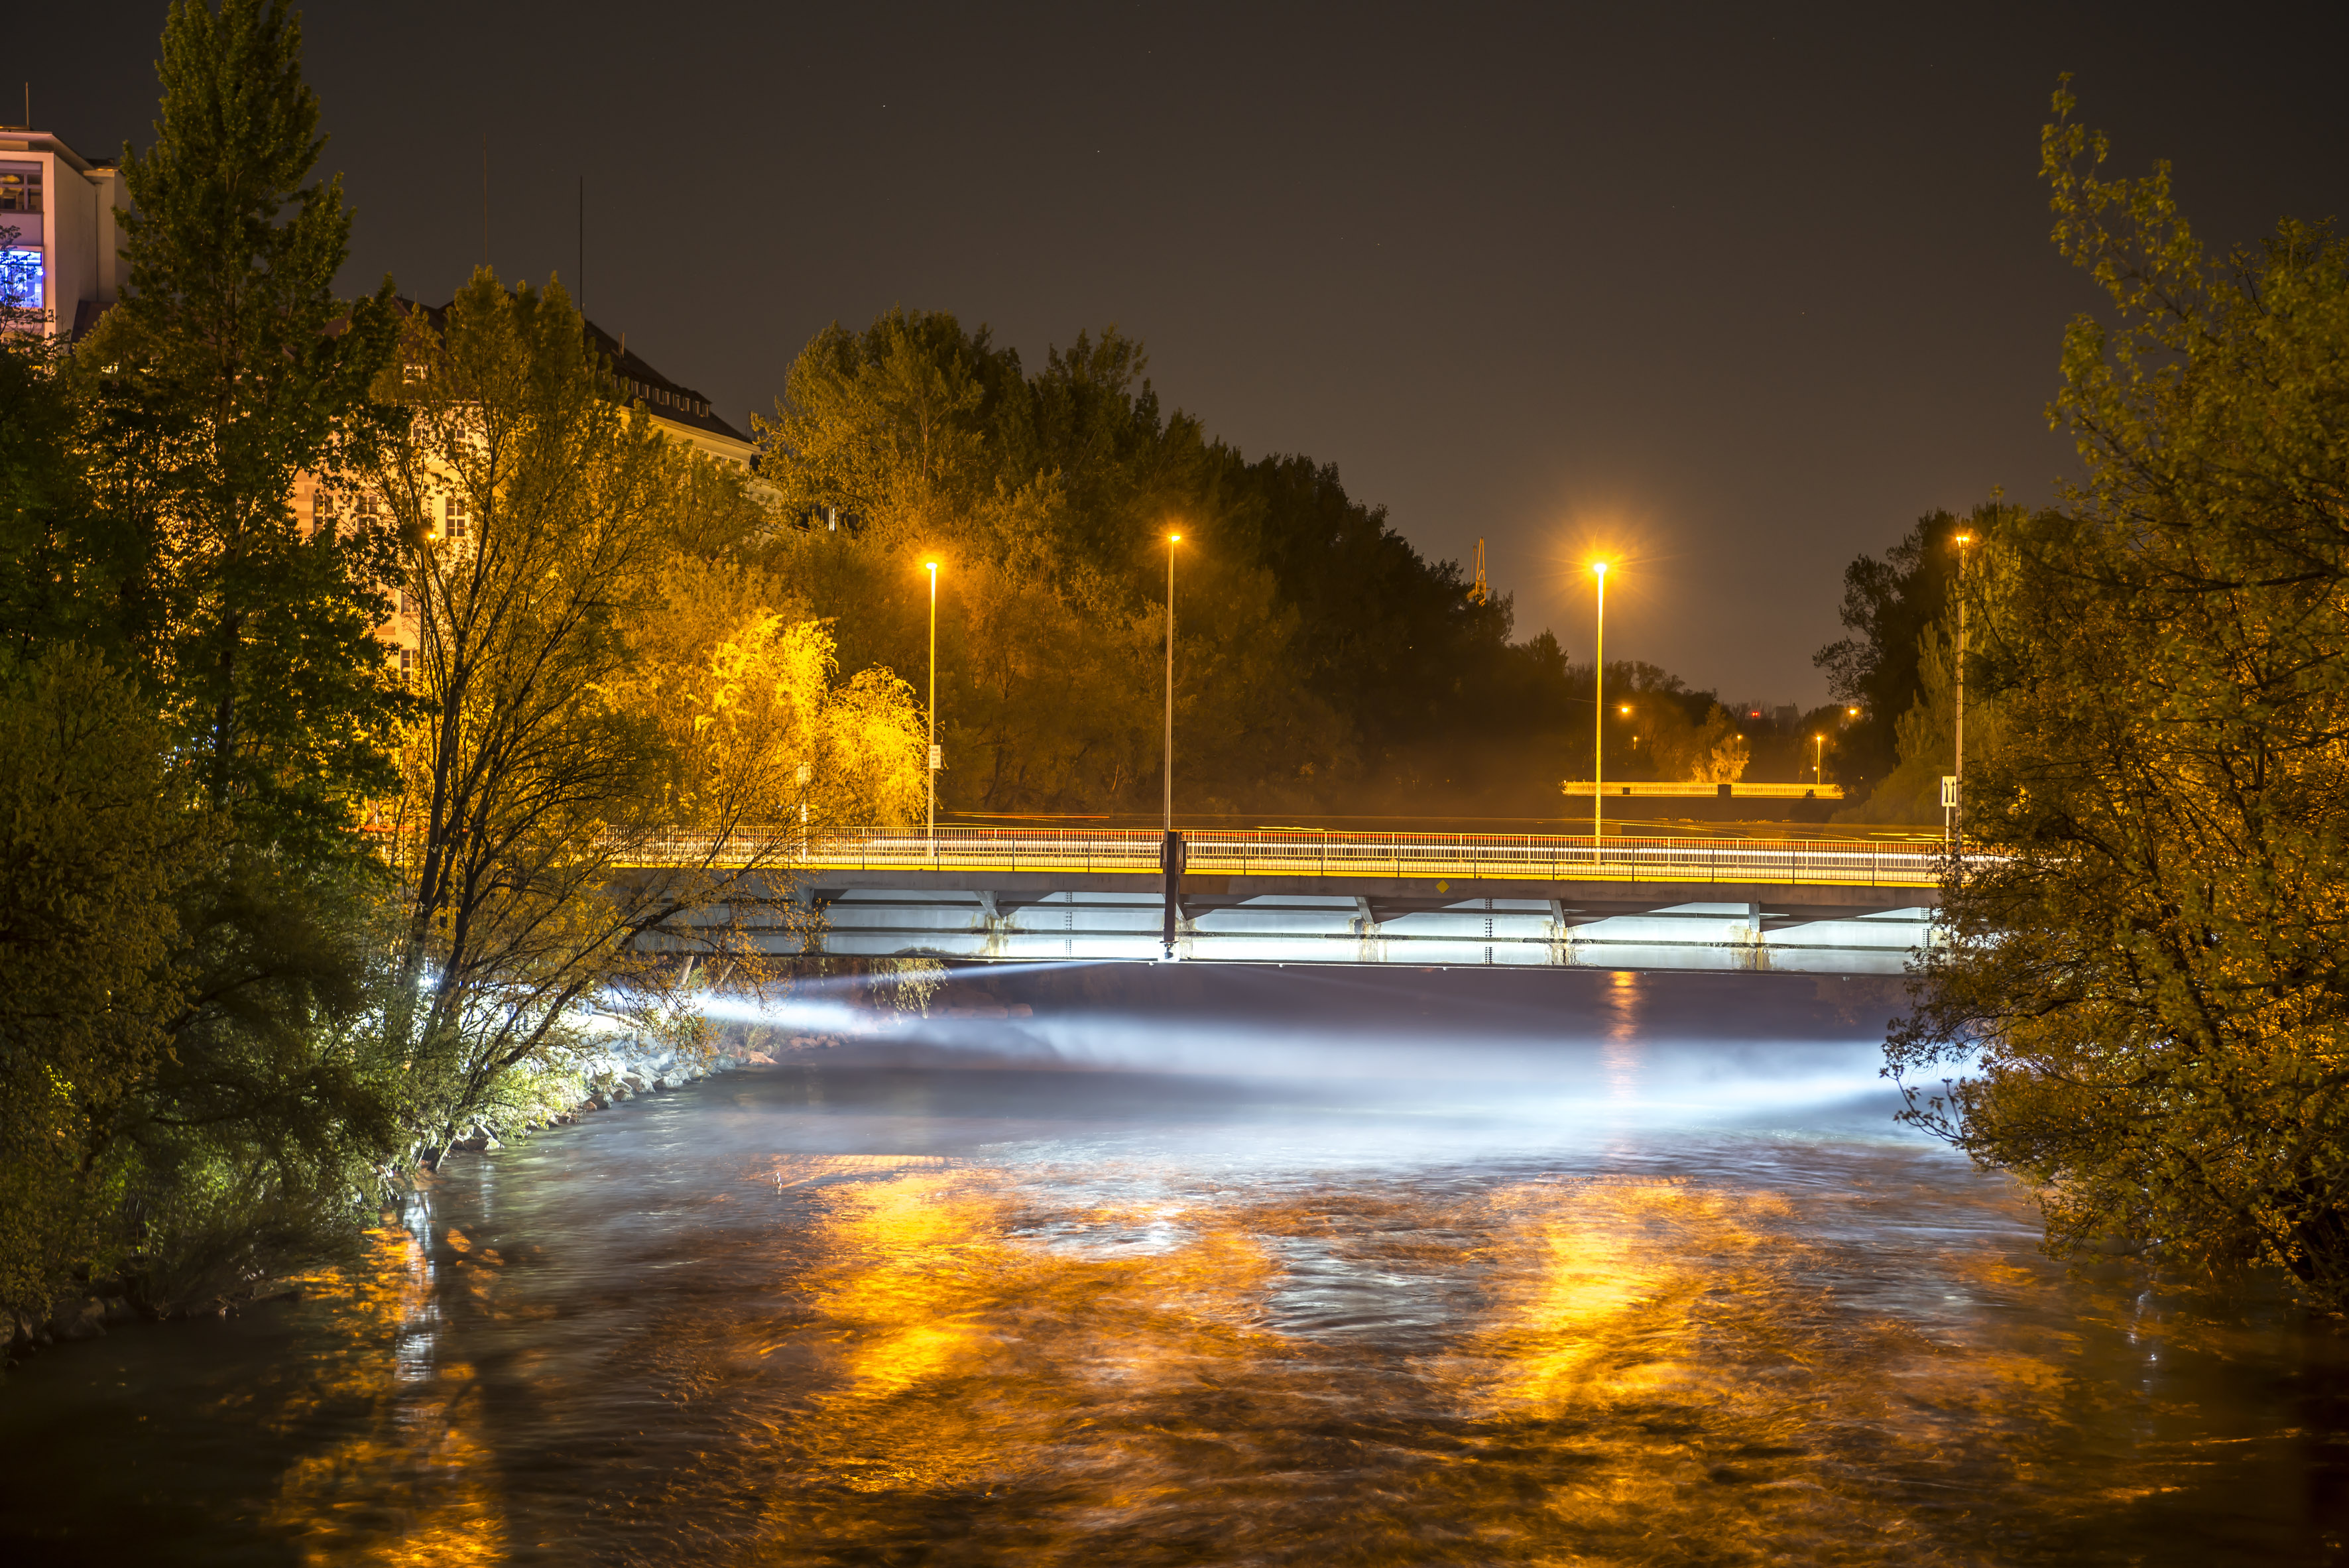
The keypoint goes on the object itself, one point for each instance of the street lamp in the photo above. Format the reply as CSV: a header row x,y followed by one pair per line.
x,y
1171,540
1170,848
1957,821
1598,716
1818,758
932,568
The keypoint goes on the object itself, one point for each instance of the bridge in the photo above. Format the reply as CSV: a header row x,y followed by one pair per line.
x,y
1309,896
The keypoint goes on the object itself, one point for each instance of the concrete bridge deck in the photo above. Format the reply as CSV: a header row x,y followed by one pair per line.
x,y
1311,897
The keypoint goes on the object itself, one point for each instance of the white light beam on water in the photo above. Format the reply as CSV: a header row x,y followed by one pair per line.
x,y
1506,1063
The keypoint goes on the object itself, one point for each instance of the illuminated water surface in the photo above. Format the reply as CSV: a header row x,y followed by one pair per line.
x,y
1265,1267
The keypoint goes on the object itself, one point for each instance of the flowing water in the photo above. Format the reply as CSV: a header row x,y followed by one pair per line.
x,y
1219,1267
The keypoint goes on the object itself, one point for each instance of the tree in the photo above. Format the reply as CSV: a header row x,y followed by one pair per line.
x,y
608,723
150,487
1320,657
889,425
2145,995
93,848
228,368
1708,750
65,575
1888,604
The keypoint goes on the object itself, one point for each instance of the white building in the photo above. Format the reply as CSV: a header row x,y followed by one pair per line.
x,y
62,263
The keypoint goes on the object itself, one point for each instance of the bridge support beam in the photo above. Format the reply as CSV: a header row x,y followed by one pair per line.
x,y
1009,916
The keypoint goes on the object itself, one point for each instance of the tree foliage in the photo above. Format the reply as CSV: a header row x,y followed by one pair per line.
x,y
1899,666
1321,662
93,848
606,721
2146,997
230,367
1892,605
149,483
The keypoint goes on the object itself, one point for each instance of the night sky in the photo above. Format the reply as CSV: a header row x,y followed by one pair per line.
x,y
1737,292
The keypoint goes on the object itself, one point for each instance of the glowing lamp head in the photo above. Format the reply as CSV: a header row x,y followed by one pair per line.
x,y
1598,568
1625,708
1851,713
1174,539
1965,539
930,566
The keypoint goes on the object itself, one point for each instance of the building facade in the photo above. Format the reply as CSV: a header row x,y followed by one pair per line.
x,y
60,233
61,267
680,413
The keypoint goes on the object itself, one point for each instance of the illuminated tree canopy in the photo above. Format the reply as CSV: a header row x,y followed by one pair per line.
x,y
2147,1009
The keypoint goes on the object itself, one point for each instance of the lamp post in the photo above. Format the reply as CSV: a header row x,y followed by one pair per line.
x,y
1170,847
1818,758
1599,718
932,568
1171,540
1958,806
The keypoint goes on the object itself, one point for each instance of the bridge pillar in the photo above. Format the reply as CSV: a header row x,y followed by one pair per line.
x,y
1561,942
995,926
806,919
1749,933
1370,948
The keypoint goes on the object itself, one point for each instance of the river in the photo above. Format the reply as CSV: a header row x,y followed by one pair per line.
x,y
1219,1266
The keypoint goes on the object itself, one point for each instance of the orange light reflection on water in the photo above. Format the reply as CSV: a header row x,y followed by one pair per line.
x,y
1015,1365
417,1483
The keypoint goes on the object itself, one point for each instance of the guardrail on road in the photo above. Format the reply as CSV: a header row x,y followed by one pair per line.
x,y
1310,852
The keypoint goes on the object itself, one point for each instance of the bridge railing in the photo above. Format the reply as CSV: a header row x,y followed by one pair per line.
x,y
1269,852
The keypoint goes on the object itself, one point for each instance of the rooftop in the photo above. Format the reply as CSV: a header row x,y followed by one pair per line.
x,y
677,404
668,400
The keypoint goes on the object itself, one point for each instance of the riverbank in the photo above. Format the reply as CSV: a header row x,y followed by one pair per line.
x,y
616,1072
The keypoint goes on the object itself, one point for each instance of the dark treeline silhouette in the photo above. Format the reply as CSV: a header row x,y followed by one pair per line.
x,y
1322,663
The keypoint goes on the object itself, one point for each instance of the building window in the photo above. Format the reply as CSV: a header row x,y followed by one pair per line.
x,y
22,284
407,664
20,188
458,517
330,508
